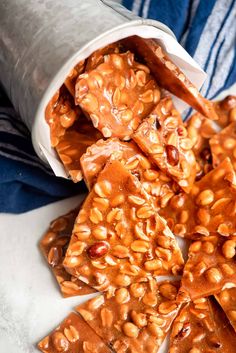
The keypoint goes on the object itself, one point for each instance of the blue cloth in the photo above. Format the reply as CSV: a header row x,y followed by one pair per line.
x,y
25,181
206,28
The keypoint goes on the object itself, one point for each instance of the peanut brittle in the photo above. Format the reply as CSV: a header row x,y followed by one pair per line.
x,y
210,207
223,145
118,237
70,81
168,75
163,137
60,114
73,144
200,130
71,132
73,335
211,266
97,57
53,246
227,300
117,94
158,185
136,319
201,327
226,110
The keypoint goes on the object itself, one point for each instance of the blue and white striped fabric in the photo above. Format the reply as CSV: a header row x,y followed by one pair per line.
x,y
206,28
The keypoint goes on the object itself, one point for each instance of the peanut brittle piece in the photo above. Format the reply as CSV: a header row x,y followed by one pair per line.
x,y
73,335
168,75
211,266
71,132
210,207
53,246
70,80
60,114
157,184
136,319
117,94
226,110
73,144
200,130
163,137
201,327
223,145
118,237
227,300
97,57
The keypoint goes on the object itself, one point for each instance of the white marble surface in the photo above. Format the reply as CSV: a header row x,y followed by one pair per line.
x,y
30,302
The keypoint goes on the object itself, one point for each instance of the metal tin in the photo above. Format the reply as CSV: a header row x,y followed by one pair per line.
x,y
42,40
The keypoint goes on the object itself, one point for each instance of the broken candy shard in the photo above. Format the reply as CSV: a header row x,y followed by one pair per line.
x,y
210,268
168,75
164,139
118,237
134,319
73,335
53,246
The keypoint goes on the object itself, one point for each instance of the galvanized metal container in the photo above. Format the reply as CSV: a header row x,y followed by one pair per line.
x,y
42,40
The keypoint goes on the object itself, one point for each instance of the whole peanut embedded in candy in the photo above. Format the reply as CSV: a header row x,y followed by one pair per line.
x,y
172,155
97,250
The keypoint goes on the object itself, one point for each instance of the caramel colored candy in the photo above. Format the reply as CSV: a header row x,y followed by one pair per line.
x,y
72,77
73,335
73,144
200,130
60,114
53,246
134,319
210,207
98,56
137,241
159,186
168,75
227,299
223,145
211,266
117,94
226,110
71,133
201,326
163,137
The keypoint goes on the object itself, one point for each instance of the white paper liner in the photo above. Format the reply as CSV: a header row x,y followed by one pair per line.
x,y
41,133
